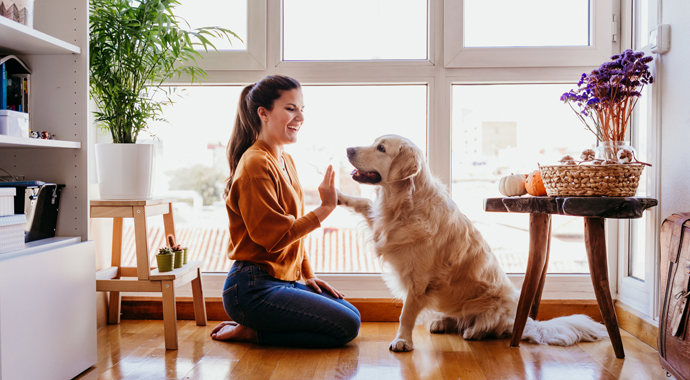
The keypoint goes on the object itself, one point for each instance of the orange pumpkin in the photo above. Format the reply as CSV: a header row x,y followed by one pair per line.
x,y
534,184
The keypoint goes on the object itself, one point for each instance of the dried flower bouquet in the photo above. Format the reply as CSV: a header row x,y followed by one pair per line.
x,y
608,95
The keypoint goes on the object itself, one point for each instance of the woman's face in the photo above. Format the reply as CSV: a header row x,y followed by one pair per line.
x,y
281,124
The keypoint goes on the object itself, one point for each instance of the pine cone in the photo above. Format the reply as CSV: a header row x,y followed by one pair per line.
x,y
587,155
567,160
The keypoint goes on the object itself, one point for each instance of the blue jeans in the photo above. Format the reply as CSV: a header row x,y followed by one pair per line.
x,y
287,313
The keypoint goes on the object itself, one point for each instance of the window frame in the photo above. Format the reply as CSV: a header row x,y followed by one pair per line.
x,y
602,30
643,294
438,78
254,57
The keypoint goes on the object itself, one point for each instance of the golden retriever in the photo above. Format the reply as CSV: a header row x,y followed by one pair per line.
x,y
437,259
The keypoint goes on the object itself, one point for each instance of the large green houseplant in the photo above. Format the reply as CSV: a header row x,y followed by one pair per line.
x,y
135,46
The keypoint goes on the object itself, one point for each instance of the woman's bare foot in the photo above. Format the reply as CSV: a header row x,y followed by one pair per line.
x,y
233,331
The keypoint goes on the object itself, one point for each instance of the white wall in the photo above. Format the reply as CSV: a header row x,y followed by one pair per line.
x,y
675,110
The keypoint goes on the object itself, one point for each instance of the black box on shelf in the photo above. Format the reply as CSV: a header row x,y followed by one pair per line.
x,y
40,202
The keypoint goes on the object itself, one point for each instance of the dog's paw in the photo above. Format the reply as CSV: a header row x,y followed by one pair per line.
x,y
443,326
342,198
400,345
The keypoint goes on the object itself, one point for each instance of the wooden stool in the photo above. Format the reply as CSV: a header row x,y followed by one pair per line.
x,y
147,279
594,210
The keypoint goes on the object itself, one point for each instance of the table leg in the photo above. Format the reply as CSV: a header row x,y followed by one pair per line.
x,y
538,242
537,298
169,314
142,245
116,261
595,242
198,298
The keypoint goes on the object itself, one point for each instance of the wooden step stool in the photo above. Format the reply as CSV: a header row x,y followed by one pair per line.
x,y
146,279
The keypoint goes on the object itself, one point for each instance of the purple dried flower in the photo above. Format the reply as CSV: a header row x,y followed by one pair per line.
x,y
609,93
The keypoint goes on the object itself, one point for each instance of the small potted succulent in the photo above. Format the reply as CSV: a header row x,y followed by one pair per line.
x,y
165,260
179,251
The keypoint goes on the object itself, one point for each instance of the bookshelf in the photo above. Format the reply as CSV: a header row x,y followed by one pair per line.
x,y
48,289
20,39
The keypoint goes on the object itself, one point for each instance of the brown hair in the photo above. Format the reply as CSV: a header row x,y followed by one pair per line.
x,y
247,122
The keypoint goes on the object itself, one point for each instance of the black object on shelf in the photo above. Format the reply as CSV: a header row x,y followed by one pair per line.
x,y
40,202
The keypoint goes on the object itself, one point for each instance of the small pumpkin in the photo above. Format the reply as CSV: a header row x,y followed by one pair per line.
x,y
534,184
512,185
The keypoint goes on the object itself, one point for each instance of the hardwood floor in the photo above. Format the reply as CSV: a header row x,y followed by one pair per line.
x,y
135,349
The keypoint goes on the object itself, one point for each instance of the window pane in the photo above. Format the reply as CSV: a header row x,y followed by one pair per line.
x,y
323,30
638,232
191,165
642,19
229,14
504,129
525,23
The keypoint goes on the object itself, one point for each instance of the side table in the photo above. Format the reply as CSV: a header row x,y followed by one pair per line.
x,y
595,210
147,279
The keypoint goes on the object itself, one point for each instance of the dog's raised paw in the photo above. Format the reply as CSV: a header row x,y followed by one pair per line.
x,y
400,345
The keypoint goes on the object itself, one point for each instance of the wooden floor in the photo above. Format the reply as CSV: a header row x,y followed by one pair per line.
x,y
135,349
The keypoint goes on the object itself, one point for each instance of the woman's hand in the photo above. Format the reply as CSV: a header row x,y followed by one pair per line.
x,y
329,198
316,284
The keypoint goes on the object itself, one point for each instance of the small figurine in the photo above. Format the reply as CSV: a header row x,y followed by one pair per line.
x,y
34,135
45,135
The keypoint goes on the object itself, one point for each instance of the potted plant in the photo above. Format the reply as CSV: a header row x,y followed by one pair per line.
x,y
179,252
165,259
135,46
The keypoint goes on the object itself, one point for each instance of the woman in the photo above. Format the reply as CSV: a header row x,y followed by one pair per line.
x,y
265,206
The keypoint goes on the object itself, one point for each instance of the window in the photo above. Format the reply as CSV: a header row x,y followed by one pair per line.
x,y
638,243
510,23
191,166
362,30
528,33
200,13
389,69
504,129
246,18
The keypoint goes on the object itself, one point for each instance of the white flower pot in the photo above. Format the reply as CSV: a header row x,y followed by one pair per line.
x,y
125,171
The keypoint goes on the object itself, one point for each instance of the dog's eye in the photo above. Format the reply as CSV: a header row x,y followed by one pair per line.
x,y
380,148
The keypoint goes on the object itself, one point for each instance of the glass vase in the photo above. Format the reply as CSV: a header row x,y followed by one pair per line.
x,y
608,150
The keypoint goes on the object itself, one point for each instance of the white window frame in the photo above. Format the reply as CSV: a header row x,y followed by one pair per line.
x,y
643,295
439,79
602,30
254,57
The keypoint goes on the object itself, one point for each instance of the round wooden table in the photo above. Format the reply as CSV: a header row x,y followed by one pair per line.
x,y
595,210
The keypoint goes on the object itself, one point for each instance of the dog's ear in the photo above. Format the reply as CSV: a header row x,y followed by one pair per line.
x,y
405,164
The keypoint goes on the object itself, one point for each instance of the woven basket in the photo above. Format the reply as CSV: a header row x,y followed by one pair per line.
x,y
618,180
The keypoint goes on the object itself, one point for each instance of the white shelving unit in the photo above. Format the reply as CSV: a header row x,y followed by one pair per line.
x,y
25,143
48,289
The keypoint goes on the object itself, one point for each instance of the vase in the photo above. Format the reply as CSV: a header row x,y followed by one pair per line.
x,y
165,262
179,258
185,256
608,150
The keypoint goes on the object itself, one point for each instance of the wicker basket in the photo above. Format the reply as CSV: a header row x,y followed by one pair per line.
x,y
617,180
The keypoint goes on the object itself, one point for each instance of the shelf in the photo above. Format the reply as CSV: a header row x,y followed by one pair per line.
x,y
25,142
21,39
41,246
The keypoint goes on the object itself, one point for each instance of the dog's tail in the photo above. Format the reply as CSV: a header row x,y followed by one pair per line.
x,y
564,331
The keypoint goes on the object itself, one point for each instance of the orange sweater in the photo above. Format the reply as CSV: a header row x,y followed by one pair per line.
x,y
266,212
